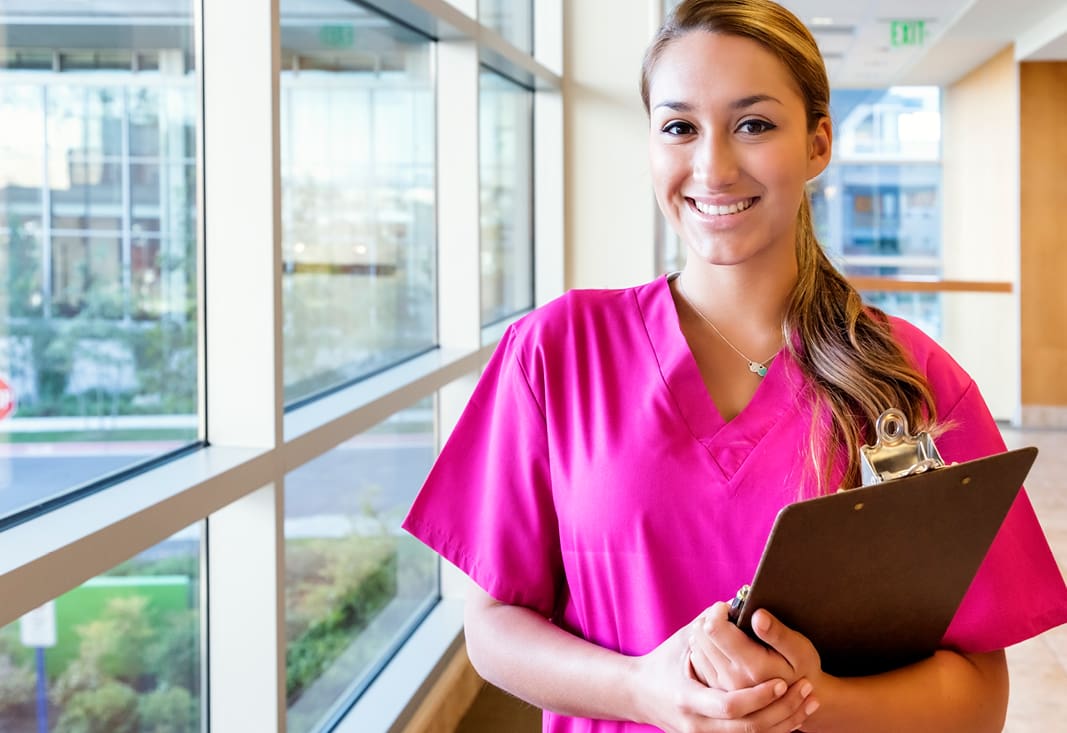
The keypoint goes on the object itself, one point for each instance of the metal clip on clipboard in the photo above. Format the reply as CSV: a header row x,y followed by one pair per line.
x,y
896,453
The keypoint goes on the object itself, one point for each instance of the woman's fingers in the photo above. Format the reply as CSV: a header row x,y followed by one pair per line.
x,y
770,707
792,646
725,657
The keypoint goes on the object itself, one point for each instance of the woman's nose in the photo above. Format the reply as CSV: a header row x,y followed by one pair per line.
x,y
715,164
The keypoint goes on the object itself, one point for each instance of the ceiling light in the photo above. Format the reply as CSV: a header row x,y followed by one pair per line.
x,y
822,20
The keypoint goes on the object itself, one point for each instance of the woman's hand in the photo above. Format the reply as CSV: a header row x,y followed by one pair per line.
x,y
724,657
668,695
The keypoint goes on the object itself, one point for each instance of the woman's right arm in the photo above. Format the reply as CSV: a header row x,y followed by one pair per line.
x,y
525,654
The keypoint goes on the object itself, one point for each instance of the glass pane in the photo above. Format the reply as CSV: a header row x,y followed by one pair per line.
x,y
120,653
877,207
358,240
98,220
506,130
513,19
355,583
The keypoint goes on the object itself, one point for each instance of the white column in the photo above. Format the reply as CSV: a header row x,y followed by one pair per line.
x,y
244,381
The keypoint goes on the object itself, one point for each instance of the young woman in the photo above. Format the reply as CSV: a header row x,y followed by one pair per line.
x,y
619,466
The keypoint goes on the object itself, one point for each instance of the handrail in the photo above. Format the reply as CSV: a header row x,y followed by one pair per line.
x,y
916,285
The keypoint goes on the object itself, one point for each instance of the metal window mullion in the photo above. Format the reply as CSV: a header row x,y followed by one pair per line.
x,y
46,213
125,248
245,585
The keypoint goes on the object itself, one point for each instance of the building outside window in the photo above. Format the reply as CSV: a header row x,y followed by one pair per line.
x,y
358,219
877,207
98,233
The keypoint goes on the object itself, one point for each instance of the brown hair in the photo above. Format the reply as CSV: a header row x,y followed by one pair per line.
x,y
845,348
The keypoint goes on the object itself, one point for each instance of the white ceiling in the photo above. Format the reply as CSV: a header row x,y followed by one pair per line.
x,y
854,36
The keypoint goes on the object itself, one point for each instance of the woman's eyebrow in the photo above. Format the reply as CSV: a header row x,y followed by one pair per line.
x,y
742,103
753,99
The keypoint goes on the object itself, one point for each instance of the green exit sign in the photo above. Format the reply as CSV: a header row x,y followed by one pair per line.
x,y
907,32
336,36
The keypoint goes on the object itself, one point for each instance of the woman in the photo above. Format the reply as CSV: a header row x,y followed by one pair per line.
x,y
620,464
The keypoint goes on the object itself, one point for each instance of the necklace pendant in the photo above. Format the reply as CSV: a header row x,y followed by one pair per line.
x,y
756,368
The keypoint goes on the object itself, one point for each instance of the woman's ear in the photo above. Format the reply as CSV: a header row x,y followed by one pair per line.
x,y
820,145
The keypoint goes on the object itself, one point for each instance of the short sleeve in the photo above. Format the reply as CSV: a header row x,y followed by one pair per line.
x,y
1019,591
487,503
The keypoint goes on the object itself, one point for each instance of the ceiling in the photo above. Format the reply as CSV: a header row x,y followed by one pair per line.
x,y
857,36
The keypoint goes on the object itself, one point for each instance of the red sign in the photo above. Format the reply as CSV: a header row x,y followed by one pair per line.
x,y
7,399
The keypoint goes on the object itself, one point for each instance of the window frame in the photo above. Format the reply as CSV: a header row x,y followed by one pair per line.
x,y
234,483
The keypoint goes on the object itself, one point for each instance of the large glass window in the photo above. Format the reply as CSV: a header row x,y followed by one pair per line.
x,y
98,219
506,173
513,19
357,194
120,653
355,582
877,207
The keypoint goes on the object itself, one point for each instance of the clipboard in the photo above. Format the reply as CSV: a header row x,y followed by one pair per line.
x,y
873,575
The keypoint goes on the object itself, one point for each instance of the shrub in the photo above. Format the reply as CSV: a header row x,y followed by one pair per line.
x,y
169,710
112,708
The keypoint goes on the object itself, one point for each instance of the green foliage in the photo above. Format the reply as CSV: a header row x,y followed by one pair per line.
x,y
169,710
164,357
17,684
351,609
112,708
173,658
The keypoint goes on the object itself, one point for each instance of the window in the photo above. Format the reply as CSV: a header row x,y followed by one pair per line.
x,y
877,207
357,195
506,171
355,583
335,355
98,219
119,653
513,19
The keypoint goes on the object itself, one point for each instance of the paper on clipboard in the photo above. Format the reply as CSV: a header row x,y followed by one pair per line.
x,y
873,576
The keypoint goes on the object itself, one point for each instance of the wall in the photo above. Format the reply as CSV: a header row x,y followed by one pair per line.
x,y
1043,108
980,226
609,210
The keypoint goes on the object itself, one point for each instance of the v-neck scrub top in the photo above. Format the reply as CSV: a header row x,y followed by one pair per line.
x,y
591,478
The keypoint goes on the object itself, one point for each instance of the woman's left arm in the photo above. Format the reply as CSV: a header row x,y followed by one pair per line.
x,y
948,692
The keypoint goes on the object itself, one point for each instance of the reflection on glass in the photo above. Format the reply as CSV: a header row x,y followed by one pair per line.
x,y
357,123
506,179
513,19
97,248
355,583
877,207
120,653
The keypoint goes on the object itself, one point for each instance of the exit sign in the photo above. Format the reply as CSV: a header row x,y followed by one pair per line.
x,y
907,32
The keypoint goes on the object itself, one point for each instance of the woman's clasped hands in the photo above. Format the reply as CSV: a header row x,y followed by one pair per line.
x,y
715,678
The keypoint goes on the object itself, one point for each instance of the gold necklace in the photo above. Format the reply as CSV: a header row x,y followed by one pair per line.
x,y
759,368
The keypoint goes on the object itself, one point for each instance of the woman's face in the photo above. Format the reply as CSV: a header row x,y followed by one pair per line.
x,y
730,147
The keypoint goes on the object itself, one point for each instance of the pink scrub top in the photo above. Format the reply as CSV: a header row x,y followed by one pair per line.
x,y
591,478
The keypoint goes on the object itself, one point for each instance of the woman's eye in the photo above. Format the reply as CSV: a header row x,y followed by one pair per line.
x,y
677,128
755,127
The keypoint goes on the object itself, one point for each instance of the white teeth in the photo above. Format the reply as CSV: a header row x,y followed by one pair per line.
x,y
713,210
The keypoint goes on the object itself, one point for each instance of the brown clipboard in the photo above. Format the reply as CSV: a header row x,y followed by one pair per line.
x,y
873,576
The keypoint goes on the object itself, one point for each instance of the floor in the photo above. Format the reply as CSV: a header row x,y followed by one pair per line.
x,y
1038,667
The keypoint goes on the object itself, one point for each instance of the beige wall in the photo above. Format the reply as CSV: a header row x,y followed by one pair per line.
x,y
1043,109
980,226
609,210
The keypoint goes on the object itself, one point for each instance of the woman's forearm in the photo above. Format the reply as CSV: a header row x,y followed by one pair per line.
x,y
523,653
947,693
